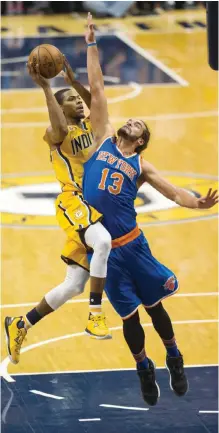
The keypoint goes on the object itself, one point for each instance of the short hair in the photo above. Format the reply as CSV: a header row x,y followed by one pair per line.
x,y
146,137
60,95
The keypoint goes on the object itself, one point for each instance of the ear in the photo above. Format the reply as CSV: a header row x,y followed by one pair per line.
x,y
140,141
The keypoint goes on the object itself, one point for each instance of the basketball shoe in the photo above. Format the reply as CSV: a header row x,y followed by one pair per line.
x,y
149,387
97,327
178,381
15,333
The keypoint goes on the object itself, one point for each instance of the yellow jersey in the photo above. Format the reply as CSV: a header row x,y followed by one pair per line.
x,y
68,158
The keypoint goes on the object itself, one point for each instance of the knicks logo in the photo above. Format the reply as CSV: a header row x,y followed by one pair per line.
x,y
170,284
29,201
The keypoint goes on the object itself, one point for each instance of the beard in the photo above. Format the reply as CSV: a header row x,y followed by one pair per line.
x,y
124,133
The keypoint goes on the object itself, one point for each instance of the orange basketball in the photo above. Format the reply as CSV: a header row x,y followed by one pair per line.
x,y
49,59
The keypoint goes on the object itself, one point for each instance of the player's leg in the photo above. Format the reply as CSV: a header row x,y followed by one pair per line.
x,y
99,239
121,292
135,338
82,226
174,360
156,282
16,327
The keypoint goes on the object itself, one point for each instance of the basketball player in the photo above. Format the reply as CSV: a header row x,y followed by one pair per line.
x,y
111,179
70,141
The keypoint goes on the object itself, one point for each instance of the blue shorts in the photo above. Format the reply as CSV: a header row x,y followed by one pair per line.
x,y
135,277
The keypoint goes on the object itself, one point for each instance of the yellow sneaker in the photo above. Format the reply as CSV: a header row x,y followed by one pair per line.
x,y
97,328
15,333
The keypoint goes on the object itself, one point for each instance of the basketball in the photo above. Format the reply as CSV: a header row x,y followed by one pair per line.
x,y
49,58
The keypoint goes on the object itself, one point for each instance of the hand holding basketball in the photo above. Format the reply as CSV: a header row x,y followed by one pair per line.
x,y
90,35
35,75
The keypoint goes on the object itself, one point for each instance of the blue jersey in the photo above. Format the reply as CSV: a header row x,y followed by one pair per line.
x,y
110,186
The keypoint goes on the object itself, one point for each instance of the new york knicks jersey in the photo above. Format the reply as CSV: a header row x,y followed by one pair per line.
x,y
68,158
110,186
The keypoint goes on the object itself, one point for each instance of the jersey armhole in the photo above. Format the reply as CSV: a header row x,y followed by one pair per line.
x,y
140,164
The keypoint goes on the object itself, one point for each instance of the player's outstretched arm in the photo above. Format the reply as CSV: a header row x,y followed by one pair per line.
x,y
98,110
59,128
178,195
69,77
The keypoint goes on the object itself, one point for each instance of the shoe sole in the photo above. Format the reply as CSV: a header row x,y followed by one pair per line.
x,y
178,395
8,342
97,337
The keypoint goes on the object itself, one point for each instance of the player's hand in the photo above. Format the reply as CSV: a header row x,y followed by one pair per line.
x,y
209,200
68,74
35,75
90,35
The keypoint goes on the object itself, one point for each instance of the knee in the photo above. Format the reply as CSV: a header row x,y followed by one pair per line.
x,y
103,245
73,289
77,290
155,311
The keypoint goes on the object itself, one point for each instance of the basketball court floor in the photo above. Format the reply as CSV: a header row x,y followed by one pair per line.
x,y
156,69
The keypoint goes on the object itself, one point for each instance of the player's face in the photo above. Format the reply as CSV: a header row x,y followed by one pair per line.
x,y
132,130
72,105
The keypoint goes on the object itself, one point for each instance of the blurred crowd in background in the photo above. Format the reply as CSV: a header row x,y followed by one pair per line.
x,y
98,8
120,64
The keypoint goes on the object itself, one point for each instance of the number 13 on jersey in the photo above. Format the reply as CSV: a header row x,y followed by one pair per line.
x,y
116,186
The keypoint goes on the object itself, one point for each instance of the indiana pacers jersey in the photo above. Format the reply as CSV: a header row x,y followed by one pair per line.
x,y
68,158
110,185
72,212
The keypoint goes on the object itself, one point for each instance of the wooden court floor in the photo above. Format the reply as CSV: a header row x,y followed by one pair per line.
x,y
183,122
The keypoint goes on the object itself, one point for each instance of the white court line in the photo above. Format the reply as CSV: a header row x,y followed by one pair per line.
x,y
107,86
44,394
166,117
175,222
10,73
123,407
164,172
151,58
4,364
149,224
208,411
137,89
86,300
105,370
89,419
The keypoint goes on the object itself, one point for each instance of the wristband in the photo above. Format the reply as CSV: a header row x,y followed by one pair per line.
x,y
91,44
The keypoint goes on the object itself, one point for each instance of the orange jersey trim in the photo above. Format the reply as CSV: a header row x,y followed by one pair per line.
x,y
119,242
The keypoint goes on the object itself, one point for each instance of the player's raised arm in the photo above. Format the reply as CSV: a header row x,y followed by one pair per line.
x,y
178,195
59,129
98,110
69,77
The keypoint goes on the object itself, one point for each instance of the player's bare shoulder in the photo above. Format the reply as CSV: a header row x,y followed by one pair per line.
x,y
51,139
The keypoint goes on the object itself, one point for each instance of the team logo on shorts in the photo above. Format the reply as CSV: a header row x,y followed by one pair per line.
x,y
170,284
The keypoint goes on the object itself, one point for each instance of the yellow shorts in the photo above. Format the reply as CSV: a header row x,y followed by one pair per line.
x,y
73,215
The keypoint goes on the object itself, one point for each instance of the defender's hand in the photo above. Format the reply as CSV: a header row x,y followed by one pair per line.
x,y
90,35
68,74
37,78
209,200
